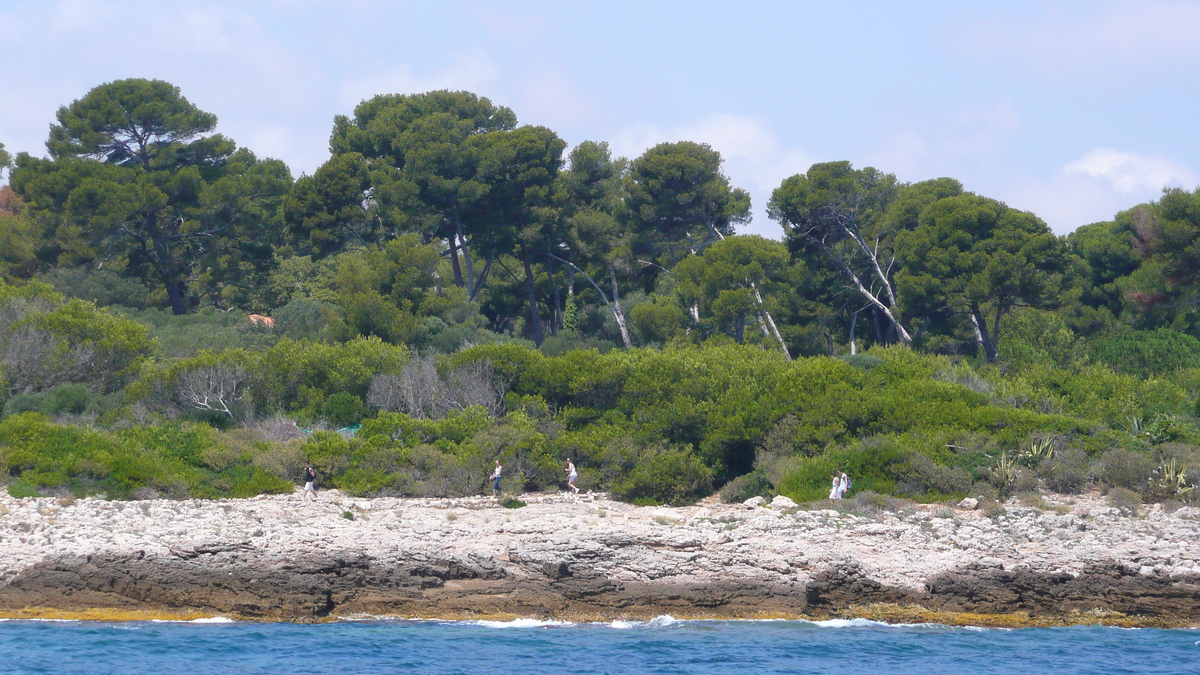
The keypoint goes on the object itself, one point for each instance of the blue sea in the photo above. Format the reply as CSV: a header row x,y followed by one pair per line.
x,y
663,645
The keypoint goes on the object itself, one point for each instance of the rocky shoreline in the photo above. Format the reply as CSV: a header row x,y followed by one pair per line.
x,y
1065,560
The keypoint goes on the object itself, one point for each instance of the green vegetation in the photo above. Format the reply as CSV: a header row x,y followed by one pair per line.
x,y
181,318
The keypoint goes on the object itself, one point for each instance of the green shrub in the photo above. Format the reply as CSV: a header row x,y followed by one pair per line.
x,y
342,409
328,452
296,376
921,477
874,464
1066,472
753,484
66,398
213,418
512,503
19,489
302,318
174,460
1146,353
22,403
103,287
1124,469
871,502
862,361
565,341
1125,500
183,336
666,476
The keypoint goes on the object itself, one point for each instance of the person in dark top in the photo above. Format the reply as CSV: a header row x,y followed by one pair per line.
x,y
310,477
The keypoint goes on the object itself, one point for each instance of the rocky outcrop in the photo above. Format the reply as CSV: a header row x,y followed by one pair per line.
x,y
1110,586
591,560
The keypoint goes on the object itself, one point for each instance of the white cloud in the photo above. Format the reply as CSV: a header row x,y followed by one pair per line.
x,y
1096,187
1067,201
755,158
1131,172
1092,40
472,71
547,95
952,142
514,25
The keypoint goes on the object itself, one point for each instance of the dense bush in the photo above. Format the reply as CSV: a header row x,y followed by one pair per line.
x,y
672,476
1066,472
1124,469
654,426
103,287
66,398
175,460
23,403
47,340
1148,353
753,484
180,337
342,409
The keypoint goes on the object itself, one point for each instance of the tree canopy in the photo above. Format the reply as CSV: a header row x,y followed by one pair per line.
x,y
176,312
134,180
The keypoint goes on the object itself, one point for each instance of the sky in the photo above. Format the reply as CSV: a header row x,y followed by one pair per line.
x,y
1071,110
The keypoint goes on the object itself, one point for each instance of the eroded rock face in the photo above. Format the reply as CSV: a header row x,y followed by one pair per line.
x,y
597,559
1109,585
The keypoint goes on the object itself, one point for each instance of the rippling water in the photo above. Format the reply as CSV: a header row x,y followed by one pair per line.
x,y
663,645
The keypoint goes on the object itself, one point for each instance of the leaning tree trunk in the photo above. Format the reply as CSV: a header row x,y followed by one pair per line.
x,y
531,294
466,251
979,323
454,265
614,305
618,313
853,324
766,315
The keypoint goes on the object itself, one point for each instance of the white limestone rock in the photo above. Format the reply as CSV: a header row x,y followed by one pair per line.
x,y
780,502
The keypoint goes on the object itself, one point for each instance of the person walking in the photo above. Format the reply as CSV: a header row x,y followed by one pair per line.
x,y
837,483
843,484
572,475
310,477
496,479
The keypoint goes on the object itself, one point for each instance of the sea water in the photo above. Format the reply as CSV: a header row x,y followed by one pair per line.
x,y
663,645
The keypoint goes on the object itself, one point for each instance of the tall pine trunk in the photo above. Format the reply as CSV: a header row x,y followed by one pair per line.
x,y
531,292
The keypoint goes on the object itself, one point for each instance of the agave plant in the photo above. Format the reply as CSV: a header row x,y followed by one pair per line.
x,y
1039,448
1005,472
1136,426
1161,429
1170,479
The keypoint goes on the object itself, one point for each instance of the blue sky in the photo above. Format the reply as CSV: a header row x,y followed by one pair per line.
x,y
1072,110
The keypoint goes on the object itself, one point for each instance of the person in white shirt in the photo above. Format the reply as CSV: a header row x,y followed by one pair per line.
x,y
496,479
572,476
837,482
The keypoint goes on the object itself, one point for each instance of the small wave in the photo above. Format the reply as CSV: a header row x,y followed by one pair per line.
x,y
213,619
661,621
847,623
352,618
522,623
